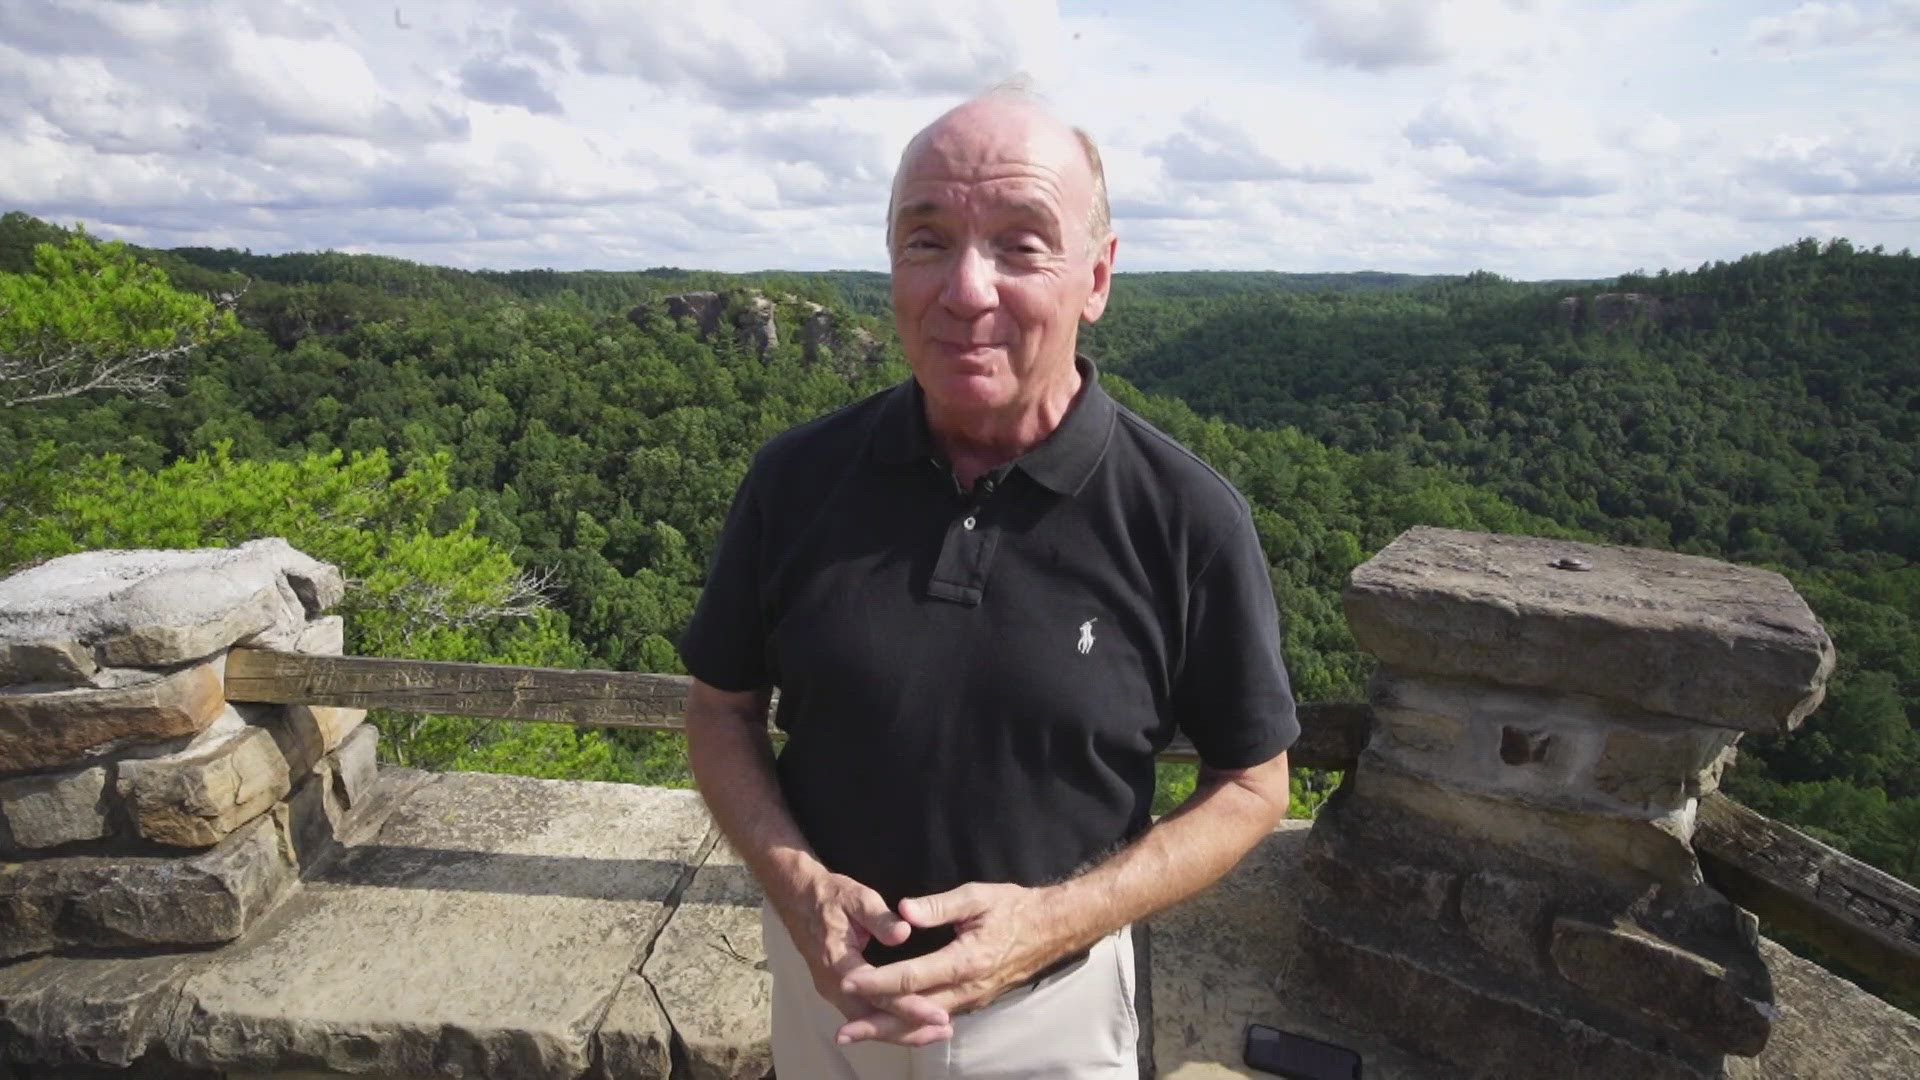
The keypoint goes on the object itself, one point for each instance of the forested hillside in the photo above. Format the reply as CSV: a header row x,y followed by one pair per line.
x,y
1765,410
463,441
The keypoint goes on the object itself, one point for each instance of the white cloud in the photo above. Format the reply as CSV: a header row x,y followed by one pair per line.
x,y
503,81
1209,149
1383,35
754,55
1374,35
1836,24
1475,136
1875,164
1532,137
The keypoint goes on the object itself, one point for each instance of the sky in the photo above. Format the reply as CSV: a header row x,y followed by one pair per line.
x,y
1532,138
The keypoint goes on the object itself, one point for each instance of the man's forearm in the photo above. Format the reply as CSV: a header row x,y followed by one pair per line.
x,y
1186,851
732,761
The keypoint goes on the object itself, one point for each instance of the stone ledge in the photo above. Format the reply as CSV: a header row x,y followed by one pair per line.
x,y
1676,634
710,974
482,932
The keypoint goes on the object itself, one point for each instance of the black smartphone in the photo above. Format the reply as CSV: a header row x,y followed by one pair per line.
x,y
1297,1057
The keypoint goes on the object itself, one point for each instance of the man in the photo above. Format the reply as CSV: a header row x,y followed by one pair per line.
x,y
988,597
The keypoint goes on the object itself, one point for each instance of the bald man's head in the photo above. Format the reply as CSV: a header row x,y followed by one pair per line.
x,y
1017,113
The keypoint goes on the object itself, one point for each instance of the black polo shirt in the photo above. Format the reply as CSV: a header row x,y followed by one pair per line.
x,y
974,685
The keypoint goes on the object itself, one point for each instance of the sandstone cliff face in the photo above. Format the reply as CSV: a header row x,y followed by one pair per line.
x,y
1611,311
825,336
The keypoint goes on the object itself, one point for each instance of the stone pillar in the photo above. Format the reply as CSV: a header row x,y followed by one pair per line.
x,y
138,809
1505,880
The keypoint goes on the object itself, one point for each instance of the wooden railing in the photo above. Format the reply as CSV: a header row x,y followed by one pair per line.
x,y
1857,914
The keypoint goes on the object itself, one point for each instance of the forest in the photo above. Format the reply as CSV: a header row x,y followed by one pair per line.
x,y
532,466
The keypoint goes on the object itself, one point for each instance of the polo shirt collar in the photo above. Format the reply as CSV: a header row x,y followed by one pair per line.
x,y
1062,462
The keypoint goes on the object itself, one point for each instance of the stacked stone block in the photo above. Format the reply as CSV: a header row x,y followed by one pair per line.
x,y
1505,881
138,808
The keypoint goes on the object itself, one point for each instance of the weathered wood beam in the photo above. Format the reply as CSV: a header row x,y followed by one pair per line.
x,y
1331,736
1860,916
500,691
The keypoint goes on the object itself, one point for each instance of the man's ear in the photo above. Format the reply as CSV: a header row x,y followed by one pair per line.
x,y
1096,304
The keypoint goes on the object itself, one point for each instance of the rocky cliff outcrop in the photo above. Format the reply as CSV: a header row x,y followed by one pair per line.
x,y
1612,311
825,336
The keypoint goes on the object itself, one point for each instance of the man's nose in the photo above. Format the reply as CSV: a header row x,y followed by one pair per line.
x,y
971,285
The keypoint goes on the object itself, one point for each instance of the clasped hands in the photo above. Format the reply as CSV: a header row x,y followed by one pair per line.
x,y
1002,937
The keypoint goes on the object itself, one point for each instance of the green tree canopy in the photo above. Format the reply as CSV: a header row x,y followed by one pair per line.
x,y
92,317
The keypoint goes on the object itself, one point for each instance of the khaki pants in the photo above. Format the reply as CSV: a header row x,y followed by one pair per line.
x,y
1075,1023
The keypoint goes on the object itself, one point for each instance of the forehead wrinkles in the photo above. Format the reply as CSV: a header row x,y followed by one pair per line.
x,y
935,185
1035,191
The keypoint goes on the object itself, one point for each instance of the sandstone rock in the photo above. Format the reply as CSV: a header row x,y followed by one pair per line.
x,y
1506,916
149,903
482,932
344,799
50,810
316,817
1827,1027
304,733
318,585
76,1012
816,334
1230,956
1674,634
1381,881
58,663
703,308
1615,849
1668,985
51,729
710,973
756,326
325,806
159,608
199,796
325,636
356,764
1576,751
1468,1025
635,1041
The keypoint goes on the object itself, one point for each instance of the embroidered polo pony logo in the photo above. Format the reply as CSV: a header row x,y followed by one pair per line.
x,y
1086,636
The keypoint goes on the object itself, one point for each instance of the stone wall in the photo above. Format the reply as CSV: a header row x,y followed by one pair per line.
x,y
1505,881
139,810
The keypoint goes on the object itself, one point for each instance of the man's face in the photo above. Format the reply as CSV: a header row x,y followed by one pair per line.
x,y
993,267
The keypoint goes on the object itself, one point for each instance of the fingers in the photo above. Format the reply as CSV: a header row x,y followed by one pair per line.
x,y
887,1027
873,914
943,908
943,967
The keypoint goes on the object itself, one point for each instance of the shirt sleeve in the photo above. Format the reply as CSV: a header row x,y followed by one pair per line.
x,y
1232,696
725,643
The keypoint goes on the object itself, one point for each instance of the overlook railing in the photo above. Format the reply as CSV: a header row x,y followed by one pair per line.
x,y
1857,914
